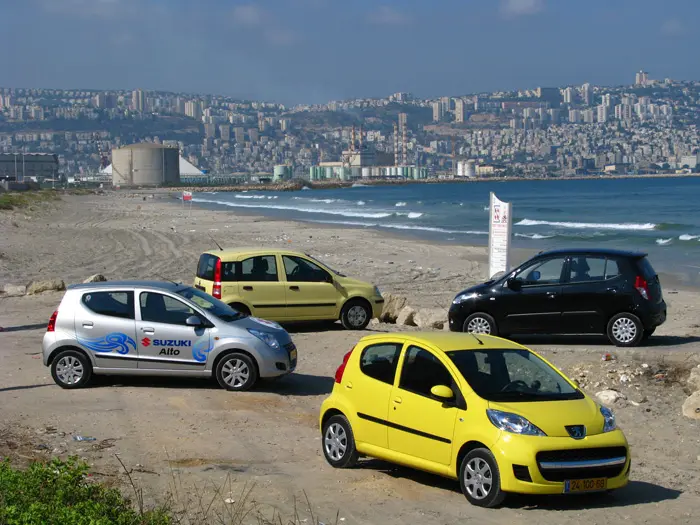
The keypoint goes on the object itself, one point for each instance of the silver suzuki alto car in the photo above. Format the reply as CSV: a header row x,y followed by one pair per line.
x,y
165,329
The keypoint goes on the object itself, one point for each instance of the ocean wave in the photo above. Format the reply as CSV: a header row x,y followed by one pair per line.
x,y
400,227
588,225
325,201
249,196
686,237
664,242
344,213
534,236
410,215
400,204
360,203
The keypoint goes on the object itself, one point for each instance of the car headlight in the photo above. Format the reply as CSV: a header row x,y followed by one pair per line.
x,y
463,297
267,338
609,418
513,423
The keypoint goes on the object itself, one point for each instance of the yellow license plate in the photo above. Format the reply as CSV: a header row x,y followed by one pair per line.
x,y
585,485
293,354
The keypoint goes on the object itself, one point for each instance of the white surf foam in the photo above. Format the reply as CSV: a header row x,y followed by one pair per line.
x,y
344,213
686,237
400,204
664,242
588,225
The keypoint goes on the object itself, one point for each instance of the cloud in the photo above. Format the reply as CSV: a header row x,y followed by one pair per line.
x,y
248,15
521,7
388,16
672,27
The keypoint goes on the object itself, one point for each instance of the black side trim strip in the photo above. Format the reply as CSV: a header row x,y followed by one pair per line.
x,y
402,428
310,305
148,360
269,305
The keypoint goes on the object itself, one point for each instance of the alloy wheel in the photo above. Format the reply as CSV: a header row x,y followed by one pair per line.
x,y
624,330
235,373
357,315
479,325
69,370
335,441
478,478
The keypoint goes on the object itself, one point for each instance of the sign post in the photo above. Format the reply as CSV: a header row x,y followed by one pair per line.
x,y
500,230
187,196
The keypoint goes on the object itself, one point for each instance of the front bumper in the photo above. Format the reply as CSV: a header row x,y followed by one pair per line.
x,y
377,307
456,317
521,452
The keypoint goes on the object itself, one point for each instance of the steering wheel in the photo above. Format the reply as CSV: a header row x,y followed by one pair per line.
x,y
511,387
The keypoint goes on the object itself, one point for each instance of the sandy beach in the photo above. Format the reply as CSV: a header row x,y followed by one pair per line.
x,y
269,437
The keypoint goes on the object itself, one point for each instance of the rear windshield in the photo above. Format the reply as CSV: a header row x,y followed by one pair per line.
x,y
646,268
205,268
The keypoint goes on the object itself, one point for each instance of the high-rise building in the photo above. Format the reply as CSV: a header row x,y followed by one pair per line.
x,y
210,130
550,95
253,134
586,94
446,104
239,133
437,111
608,100
569,95
588,116
193,109
574,115
459,110
37,113
642,78
285,124
602,113
225,132
403,121
138,100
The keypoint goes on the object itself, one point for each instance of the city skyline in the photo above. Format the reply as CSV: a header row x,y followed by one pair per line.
x,y
313,51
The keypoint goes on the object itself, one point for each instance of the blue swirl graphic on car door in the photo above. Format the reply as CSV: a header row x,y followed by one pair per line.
x,y
121,343
201,349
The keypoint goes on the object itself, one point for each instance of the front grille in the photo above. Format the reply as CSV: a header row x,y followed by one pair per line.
x,y
576,455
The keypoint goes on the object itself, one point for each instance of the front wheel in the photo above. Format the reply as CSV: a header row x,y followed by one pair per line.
x,y
236,372
625,330
355,315
480,479
480,323
339,443
71,369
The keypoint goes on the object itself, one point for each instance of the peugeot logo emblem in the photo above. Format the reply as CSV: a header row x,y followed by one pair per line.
x,y
576,431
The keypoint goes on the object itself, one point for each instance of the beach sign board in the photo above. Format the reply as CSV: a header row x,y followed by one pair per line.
x,y
186,196
500,233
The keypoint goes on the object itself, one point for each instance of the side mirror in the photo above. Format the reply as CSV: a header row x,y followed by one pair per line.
x,y
514,284
329,278
193,321
442,392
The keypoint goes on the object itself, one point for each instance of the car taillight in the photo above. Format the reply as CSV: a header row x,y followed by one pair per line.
x,y
642,287
216,292
52,322
341,369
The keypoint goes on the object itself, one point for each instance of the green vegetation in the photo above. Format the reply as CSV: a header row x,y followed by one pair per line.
x,y
61,492
13,200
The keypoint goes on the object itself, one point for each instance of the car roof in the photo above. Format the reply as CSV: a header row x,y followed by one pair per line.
x,y
160,285
233,253
593,251
447,341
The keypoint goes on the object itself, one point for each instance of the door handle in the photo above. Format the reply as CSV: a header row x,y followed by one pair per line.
x,y
88,324
348,386
147,330
248,288
295,288
398,400
612,289
551,295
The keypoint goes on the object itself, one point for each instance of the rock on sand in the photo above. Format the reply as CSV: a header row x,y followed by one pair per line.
x,y
691,407
609,397
406,316
51,285
97,278
431,318
393,304
12,290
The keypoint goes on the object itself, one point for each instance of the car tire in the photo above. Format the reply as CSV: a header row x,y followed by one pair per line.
x,y
338,443
240,308
480,323
648,334
480,479
236,372
355,315
625,330
71,369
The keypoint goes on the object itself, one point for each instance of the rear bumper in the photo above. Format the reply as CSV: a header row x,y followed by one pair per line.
x,y
654,316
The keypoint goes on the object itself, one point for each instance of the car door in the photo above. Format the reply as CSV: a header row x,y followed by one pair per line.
x,y
311,293
369,390
105,326
535,305
420,425
165,341
591,293
260,286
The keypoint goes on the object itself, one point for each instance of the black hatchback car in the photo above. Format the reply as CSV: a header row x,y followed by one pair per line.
x,y
594,291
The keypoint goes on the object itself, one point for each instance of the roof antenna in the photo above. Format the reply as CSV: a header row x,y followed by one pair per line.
x,y
169,280
479,340
217,244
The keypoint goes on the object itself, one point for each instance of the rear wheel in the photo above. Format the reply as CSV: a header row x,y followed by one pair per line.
x,y
625,329
236,372
480,323
480,479
339,443
355,315
71,369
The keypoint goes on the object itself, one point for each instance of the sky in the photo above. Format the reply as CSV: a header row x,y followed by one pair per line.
x,y
314,51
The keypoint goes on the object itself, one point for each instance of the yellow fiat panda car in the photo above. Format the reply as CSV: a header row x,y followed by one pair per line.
x,y
286,286
475,408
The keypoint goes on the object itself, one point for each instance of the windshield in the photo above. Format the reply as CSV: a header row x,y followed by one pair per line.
x,y
512,375
211,305
324,264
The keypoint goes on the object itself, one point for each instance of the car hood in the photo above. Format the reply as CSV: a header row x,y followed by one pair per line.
x,y
479,288
552,417
255,323
347,282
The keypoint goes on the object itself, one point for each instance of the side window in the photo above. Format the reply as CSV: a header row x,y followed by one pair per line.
x,y
612,269
422,371
542,272
379,362
304,271
256,269
228,272
205,268
584,269
112,304
158,308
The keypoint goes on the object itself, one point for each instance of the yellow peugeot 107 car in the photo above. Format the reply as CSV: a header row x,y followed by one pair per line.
x,y
286,286
476,408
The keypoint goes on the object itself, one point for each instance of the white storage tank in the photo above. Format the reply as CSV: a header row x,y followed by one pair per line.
x,y
145,164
